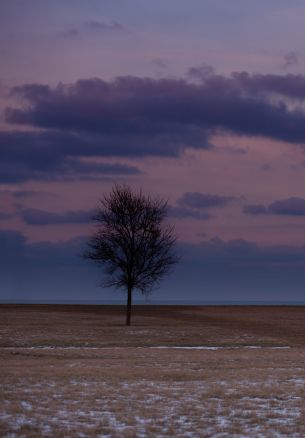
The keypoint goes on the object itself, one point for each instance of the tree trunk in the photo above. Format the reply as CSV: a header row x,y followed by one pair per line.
x,y
128,310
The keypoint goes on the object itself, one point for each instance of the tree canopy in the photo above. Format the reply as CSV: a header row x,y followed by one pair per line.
x,y
132,244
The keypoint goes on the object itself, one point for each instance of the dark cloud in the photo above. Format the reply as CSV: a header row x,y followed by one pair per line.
x,y
33,216
291,206
70,33
31,92
167,108
201,72
85,167
57,145
53,156
290,85
25,194
183,213
159,62
243,252
16,247
145,111
254,209
291,59
5,216
95,27
103,27
134,116
288,207
266,167
203,200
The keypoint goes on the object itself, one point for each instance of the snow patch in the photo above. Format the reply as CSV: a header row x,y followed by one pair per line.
x,y
184,347
26,405
207,347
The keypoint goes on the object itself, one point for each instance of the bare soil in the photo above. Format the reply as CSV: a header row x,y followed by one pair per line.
x,y
183,371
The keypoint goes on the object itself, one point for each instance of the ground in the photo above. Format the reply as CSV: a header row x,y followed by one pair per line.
x,y
181,371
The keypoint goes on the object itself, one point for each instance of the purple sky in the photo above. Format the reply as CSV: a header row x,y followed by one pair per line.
x,y
201,102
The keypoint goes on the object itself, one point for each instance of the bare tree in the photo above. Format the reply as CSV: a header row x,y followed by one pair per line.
x,y
132,244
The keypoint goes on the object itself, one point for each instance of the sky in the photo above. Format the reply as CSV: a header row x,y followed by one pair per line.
x,y
199,102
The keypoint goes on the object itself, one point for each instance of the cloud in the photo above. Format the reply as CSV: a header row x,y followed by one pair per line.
x,y
254,209
33,216
287,207
290,85
240,252
291,206
203,200
54,156
191,204
5,216
70,33
159,62
103,27
266,167
167,108
94,27
291,59
202,72
144,111
184,213
137,117
31,92
85,168
25,194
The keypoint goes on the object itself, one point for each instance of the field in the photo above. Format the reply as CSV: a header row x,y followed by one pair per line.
x,y
181,371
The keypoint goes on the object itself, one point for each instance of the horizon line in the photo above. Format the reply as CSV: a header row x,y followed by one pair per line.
x,y
157,302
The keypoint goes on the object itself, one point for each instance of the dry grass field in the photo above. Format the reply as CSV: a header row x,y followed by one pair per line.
x,y
181,371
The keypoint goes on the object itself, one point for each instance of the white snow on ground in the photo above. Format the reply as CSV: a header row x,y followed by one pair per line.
x,y
184,347
207,347
50,347
134,407
26,405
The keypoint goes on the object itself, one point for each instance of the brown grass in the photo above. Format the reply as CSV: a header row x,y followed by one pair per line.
x,y
89,375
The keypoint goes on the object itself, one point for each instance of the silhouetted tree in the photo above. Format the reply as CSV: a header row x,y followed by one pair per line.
x,y
132,244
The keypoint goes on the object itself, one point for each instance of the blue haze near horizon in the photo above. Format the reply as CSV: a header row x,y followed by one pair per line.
x,y
207,273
